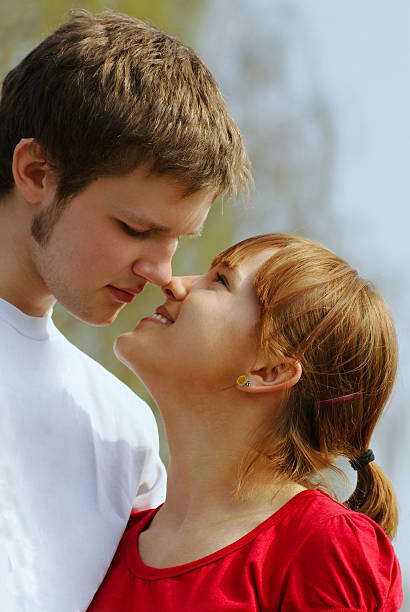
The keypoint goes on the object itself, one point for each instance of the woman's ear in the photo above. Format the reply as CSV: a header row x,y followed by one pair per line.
x,y
30,170
272,378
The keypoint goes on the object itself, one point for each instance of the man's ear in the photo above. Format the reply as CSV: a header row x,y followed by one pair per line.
x,y
30,170
272,378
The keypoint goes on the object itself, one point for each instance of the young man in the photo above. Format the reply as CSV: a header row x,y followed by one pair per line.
x,y
114,141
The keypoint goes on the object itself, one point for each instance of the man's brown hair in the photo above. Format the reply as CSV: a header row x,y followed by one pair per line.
x,y
105,93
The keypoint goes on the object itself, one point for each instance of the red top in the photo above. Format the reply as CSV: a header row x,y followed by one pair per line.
x,y
312,554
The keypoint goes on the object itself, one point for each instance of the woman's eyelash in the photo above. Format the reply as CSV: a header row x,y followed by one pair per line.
x,y
220,278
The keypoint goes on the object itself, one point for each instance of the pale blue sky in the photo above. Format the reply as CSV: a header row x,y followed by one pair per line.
x,y
362,50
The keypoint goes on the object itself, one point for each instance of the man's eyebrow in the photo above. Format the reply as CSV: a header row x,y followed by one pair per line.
x,y
144,222
152,226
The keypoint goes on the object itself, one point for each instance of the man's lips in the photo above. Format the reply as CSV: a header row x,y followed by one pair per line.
x,y
124,295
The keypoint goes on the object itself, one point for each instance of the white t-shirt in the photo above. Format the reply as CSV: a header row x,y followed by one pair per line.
x,y
76,448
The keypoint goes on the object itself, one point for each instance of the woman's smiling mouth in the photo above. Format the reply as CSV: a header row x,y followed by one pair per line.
x,y
161,315
161,319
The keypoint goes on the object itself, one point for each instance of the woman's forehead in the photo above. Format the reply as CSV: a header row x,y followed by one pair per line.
x,y
238,254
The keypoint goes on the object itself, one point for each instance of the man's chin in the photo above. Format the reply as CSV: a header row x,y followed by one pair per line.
x,y
102,321
96,319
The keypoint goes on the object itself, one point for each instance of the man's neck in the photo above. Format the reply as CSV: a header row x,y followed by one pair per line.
x,y
20,283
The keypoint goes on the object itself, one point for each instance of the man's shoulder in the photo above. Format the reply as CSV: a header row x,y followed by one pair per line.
x,y
93,370
58,373
114,404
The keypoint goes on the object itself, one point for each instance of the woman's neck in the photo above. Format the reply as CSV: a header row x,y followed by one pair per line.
x,y
209,440
206,516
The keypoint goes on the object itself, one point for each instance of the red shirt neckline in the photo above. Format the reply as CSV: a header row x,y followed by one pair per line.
x,y
140,569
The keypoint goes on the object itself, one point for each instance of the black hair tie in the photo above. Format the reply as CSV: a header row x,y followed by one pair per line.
x,y
362,460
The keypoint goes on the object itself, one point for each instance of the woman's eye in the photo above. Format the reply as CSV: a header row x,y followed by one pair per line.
x,y
220,278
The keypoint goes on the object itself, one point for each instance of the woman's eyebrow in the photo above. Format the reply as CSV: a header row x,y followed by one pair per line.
x,y
225,263
233,269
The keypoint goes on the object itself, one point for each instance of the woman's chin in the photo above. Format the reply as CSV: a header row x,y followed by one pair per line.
x,y
123,350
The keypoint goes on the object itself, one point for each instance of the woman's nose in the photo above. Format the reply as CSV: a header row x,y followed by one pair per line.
x,y
179,287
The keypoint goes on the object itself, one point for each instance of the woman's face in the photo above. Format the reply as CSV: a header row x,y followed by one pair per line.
x,y
204,335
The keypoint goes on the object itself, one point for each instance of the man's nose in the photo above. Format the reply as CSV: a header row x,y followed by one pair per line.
x,y
179,287
156,267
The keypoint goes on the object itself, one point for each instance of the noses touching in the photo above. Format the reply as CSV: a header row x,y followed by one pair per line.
x,y
157,269
175,293
179,287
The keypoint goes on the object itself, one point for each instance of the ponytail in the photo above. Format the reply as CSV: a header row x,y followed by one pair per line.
x,y
375,497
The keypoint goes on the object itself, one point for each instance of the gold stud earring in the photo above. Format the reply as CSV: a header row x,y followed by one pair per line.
x,y
243,381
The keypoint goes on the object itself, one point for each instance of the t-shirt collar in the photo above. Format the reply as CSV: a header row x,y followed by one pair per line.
x,y
37,328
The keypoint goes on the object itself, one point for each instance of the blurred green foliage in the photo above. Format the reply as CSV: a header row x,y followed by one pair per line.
x,y
23,22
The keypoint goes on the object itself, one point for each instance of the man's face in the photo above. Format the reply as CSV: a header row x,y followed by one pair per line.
x,y
112,238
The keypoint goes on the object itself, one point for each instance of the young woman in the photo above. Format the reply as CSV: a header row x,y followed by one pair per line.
x,y
265,369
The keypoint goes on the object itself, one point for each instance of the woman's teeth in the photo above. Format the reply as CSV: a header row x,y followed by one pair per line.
x,y
161,319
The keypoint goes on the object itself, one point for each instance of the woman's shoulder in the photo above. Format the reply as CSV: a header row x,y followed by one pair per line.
x,y
314,510
314,520
330,553
140,519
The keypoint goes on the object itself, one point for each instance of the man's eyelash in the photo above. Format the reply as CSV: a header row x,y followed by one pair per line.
x,y
133,232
